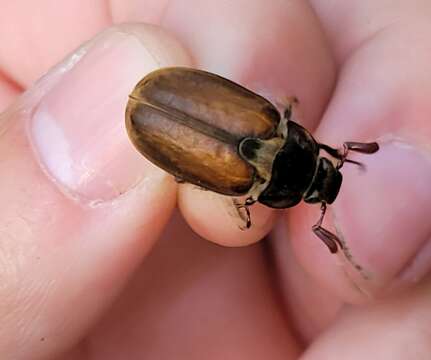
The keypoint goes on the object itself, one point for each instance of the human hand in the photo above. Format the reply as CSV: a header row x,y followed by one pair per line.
x,y
81,209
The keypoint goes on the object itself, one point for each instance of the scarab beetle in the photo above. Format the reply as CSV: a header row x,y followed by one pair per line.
x,y
209,131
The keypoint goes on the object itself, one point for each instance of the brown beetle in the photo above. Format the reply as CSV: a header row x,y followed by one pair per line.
x,y
211,132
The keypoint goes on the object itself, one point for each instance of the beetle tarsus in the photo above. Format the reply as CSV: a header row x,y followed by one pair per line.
x,y
334,243
331,240
248,220
245,206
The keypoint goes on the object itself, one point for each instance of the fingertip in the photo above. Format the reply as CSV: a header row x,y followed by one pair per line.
x,y
336,273
385,211
94,159
215,218
382,216
272,49
81,208
241,54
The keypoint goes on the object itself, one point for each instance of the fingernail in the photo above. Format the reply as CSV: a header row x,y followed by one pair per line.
x,y
385,211
77,129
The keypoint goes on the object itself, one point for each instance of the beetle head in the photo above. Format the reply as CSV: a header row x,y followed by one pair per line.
x,y
325,185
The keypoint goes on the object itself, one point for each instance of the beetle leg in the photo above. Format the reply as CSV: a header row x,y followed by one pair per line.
x,y
244,211
334,243
331,151
292,101
364,148
178,180
330,239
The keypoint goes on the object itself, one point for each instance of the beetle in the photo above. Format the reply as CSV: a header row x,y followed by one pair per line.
x,y
211,132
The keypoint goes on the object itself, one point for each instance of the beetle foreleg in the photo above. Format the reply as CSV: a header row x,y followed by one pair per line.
x,y
334,243
330,239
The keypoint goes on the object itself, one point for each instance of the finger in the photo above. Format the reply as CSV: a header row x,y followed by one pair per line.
x,y
270,49
33,34
382,94
192,299
81,207
148,11
8,92
392,329
311,306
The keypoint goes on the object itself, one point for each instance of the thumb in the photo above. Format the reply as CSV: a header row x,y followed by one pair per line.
x,y
80,208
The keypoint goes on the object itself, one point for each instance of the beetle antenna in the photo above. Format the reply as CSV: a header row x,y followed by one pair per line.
x,y
361,165
364,148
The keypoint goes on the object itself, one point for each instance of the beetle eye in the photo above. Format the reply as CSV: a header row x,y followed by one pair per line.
x,y
249,147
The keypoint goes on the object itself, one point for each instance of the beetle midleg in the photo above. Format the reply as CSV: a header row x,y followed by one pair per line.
x,y
330,239
244,206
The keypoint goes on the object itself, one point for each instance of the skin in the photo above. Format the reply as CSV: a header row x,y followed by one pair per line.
x,y
78,279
